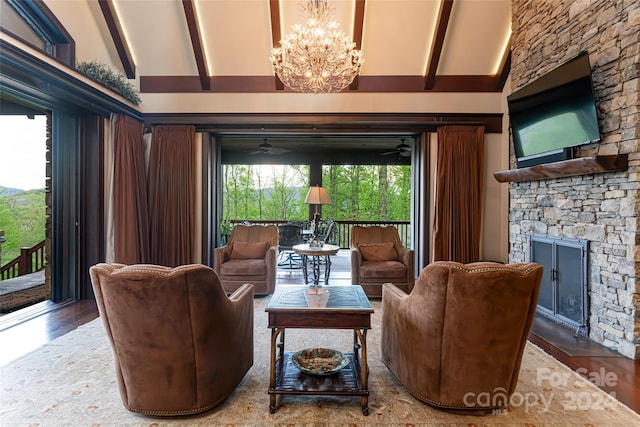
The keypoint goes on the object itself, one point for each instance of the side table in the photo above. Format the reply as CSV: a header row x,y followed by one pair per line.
x,y
307,250
346,307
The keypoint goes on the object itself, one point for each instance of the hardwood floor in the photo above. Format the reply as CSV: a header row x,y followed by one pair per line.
x,y
613,373
26,330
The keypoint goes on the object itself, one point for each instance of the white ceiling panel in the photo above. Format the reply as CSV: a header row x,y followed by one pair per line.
x,y
397,36
158,36
235,36
476,37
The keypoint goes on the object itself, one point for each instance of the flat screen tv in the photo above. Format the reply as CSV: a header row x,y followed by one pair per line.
x,y
554,114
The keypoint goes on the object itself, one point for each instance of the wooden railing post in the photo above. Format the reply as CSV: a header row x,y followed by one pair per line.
x,y
24,266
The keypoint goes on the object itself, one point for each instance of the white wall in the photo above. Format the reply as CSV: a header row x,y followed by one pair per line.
x,y
83,20
495,237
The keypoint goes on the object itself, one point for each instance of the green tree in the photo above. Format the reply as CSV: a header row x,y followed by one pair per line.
x,y
383,191
239,193
285,199
357,192
22,217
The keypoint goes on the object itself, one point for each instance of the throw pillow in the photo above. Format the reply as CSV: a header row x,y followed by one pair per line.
x,y
249,250
378,251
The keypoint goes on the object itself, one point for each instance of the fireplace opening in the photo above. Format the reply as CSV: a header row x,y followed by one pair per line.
x,y
563,292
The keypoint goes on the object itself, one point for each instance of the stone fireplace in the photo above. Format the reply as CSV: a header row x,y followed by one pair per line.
x,y
601,208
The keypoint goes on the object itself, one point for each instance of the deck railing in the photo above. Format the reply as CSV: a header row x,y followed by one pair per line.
x,y
30,260
342,232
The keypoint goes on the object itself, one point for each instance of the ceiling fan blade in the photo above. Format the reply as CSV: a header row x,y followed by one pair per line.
x,y
264,148
278,150
388,153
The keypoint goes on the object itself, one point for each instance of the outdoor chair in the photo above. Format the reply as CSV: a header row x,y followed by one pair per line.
x,y
180,345
326,239
250,256
377,257
331,225
457,340
289,235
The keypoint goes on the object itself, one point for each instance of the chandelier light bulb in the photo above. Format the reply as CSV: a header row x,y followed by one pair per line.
x,y
317,57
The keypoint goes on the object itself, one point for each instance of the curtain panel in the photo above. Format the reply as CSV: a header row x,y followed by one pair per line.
x,y
459,194
130,212
172,194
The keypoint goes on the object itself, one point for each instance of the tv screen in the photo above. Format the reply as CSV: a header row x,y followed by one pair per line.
x,y
554,113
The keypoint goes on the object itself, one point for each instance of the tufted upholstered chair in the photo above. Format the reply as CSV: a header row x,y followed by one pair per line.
x,y
180,344
250,256
377,257
461,333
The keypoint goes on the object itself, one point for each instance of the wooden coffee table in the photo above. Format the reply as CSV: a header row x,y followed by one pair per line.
x,y
334,307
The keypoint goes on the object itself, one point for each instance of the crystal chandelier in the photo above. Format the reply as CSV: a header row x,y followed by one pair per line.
x,y
318,56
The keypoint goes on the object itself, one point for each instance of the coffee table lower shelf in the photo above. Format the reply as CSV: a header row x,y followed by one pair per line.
x,y
291,380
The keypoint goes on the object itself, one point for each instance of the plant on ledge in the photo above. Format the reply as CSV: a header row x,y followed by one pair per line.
x,y
116,82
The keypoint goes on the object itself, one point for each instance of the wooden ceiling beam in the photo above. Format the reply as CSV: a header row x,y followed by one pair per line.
x,y
196,43
119,40
358,26
255,84
276,33
437,43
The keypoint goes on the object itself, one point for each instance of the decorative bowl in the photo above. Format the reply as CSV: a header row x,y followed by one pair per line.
x,y
319,361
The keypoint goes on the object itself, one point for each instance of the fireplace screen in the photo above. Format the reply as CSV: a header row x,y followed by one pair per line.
x,y
563,291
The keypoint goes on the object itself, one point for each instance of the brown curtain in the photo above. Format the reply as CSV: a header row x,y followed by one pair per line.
x,y
172,194
131,216
459,185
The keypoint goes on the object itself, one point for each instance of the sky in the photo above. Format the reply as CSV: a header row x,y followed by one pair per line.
x,y
22,152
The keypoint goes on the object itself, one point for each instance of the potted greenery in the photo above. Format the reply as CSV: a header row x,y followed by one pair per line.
x,y
116,82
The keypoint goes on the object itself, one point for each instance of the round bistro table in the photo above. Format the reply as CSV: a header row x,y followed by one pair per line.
x,y
317,253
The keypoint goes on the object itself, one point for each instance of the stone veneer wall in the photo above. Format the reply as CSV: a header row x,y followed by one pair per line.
x,y
601,208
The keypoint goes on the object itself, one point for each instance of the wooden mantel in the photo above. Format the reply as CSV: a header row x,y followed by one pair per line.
x,y
565,168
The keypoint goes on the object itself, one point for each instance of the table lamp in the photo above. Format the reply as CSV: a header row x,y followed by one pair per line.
x,y
317,196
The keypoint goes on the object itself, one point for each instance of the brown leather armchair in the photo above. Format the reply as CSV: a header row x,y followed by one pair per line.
x,y
250,256
377,257
180,345
457,340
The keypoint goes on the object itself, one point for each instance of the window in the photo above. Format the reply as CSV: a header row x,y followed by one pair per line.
x,y
33,23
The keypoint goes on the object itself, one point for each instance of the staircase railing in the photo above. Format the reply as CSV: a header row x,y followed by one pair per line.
x,y
30,260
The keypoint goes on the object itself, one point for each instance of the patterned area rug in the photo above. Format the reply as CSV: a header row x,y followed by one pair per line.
x,y
71,381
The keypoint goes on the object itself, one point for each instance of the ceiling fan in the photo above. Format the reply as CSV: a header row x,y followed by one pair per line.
x,y
401,149
266,148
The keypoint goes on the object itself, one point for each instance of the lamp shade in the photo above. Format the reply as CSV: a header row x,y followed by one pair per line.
x,y
317,196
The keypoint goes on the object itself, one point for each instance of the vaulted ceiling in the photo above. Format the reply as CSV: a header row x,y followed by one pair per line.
x,y
408,45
